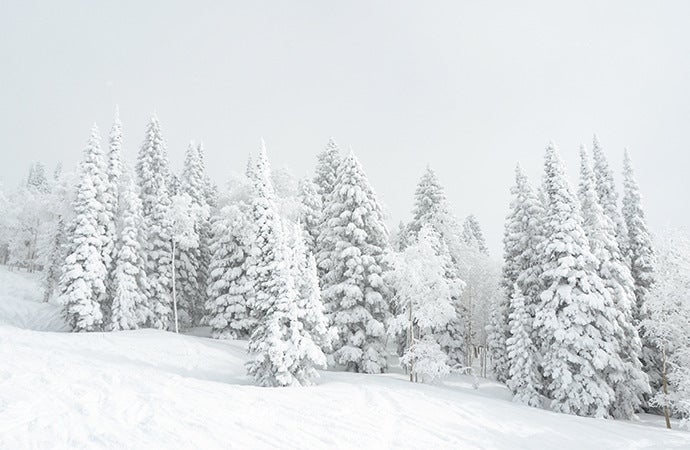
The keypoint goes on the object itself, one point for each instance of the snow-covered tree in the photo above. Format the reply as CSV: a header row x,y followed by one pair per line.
x,y
228,286
310,214
423,301
642,260
283,353
352,245
129,308
608,195
521,266
472,234
327,169
630,384
153,178
575,304
668,325
524,380
82,284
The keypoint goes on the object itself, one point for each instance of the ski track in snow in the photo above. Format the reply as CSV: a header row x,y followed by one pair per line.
x,y
153,389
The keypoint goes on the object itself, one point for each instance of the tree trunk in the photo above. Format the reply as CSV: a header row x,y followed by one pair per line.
x,y
177,329
410,341
663,380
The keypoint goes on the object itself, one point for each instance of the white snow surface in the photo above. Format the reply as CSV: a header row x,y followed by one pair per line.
x,y
154,389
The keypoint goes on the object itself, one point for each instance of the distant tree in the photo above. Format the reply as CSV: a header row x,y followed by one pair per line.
x,y
472,234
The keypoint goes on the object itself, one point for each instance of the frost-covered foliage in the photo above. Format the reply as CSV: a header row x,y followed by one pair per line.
x,y
129,308
574,304
642,261
154,182
423,301
228,286
111,199
630,383
83,281
472,234
524,379
431,208
428,362
327,169
668,323
351,257
283,352
310,212
521,266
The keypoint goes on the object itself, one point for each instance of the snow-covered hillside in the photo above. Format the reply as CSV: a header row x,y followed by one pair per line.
x,y
153,389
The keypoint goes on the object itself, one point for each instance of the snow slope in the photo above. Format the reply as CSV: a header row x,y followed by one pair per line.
x,y
152,389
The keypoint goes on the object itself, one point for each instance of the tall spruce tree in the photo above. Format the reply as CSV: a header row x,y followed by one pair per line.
x,y
283,353
576,319
630,384
129,308
310,215
642,265
153,179
327,169
83,281
229,287
353,243
472,234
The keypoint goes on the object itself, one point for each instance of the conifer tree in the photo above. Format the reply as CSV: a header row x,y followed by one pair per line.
x,y
575,303
153,178
228,286
472,234
352,243
524,380
205,233
82,284
129,304
608,195
642,261
310,215
630,384
521,237
327,169
283,353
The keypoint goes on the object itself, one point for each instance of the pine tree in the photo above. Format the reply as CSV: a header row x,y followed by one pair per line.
x,y
472,234
524,380
630,384
642,261
228,286
153,177
608,195
431,208
283,354
576,319
310,215
327,169
82,284
111,194
129,304
354,239
522,235
205,233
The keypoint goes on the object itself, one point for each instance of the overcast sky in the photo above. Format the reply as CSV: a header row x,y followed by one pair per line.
x,y
468,87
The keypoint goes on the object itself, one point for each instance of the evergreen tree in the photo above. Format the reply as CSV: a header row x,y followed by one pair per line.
x,y
630,384
327,169
310,215
82,284
354,239
608,195
472,234
229,287
129,304
524,380
642,261
283,352
576,319
522,236
205,232
153,177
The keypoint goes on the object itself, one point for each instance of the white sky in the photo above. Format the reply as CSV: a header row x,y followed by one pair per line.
x,y
468,87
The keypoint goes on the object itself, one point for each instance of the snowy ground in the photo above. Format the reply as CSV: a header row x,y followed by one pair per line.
x,y
151,389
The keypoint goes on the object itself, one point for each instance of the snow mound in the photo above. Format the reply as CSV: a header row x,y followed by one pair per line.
x,y
21,304
153,389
